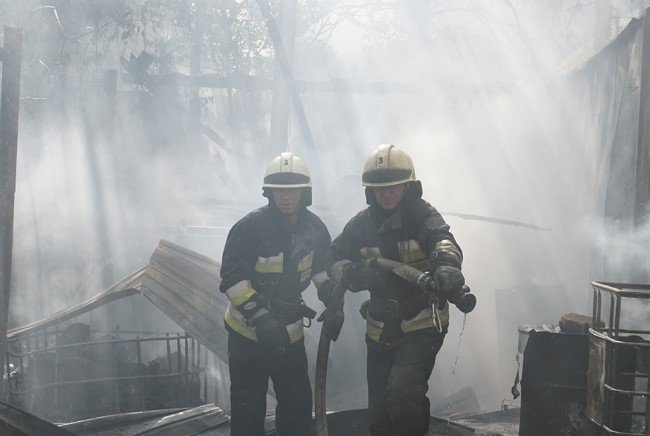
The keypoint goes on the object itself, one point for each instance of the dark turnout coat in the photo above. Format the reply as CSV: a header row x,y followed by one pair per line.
x,y
408,234
265,254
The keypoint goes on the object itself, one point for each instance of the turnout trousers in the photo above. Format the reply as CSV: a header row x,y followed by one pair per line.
x,y
398,376
251,366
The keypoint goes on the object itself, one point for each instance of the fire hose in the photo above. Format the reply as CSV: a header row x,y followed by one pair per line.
x,y
461,298
320,382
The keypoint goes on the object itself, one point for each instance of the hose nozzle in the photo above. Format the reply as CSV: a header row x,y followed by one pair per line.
x,y
463,299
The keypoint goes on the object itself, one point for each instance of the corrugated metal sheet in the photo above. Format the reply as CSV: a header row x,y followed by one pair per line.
x,y
183,284
206,419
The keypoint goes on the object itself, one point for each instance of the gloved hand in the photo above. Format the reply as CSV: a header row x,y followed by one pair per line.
x,y
332,325
448,279
271,334
325,291
356,277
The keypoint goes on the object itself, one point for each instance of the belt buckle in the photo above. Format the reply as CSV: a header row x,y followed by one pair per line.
x,y
391,309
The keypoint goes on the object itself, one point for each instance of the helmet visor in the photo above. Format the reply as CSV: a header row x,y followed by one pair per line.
x,y
286,179
386,175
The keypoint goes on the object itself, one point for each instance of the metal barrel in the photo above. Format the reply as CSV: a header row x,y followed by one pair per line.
x,y
554,384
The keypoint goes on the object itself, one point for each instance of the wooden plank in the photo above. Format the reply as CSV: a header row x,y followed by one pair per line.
x,y
575,323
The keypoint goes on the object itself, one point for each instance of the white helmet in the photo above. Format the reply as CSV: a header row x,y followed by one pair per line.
x,y
387,166
288,171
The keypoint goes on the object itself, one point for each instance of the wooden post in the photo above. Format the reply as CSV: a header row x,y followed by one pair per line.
x,y
109,91
195,65
290,81
280,108
9,110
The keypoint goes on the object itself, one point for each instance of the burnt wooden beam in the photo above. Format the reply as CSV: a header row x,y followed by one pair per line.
x,y
9,111
254,83
280,104
196,50
284,66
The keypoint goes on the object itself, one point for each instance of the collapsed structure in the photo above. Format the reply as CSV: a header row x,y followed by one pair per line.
x,y
64,368
67,368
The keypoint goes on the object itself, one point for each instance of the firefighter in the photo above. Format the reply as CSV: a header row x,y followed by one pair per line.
x,y
269,259
401,335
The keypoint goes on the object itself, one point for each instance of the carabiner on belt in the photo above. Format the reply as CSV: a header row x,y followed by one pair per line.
x,y
435,317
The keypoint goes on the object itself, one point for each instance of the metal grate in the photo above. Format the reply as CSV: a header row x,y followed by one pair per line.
x,y
115,374
618,379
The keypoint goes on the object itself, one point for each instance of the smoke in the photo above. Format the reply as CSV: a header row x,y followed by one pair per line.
x,y
476,96
622,251
488,122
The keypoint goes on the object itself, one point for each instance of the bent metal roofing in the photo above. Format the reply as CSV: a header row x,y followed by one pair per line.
x,y
181,283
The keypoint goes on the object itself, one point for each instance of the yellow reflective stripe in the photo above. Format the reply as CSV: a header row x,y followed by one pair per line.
x,y
420,324
237,322
373,328
319,278
337,270
420,321
242,297
238,288
369,252
261,311
412,257
423,320
273,264
449,247
410,251
295,331
305,263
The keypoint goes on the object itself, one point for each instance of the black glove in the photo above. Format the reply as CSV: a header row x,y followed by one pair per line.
x,y
253,305
325,291
357,277
448,279
271,334
332,325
